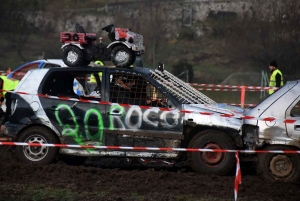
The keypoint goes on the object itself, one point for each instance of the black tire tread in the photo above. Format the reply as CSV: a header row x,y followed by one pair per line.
x,y
52,139
127,63
219,137
263,170
80,61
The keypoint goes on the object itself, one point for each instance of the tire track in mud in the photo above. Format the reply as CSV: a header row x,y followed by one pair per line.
x,y
122,178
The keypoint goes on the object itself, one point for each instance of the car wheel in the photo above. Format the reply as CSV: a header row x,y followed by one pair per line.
x,y
121,56
218,163
73,56
39,155
279,166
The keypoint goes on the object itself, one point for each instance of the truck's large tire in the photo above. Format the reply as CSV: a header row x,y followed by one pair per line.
x,y
39,155
73,56
279,167
121,56
218,163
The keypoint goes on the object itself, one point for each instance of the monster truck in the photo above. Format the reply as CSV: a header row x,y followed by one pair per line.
x,y
79,47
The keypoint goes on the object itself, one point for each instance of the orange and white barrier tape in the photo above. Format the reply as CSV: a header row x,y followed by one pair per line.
x,y
230,86
238,176
221,89
270,119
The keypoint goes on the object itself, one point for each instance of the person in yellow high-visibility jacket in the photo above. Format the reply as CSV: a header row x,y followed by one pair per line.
x,y
6,86
276,78
92,77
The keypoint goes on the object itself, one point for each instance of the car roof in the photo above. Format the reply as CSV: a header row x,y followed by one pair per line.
x,y
42,62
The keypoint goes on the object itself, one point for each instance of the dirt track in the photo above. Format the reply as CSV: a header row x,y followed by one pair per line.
x,y
118,180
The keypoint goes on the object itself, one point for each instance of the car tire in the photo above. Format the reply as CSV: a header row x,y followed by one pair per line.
x,y
122,56
218,163
279,167
38,155
73,56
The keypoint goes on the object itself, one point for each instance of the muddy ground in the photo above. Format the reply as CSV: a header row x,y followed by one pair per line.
x,y
124,180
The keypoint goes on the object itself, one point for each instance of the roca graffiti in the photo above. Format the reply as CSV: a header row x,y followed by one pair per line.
x,y
118,117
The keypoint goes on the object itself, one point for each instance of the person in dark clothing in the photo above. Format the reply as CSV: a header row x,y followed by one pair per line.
x,y
276,78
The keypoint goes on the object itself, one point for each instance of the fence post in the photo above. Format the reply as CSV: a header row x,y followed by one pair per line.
x,y
243,96
264,82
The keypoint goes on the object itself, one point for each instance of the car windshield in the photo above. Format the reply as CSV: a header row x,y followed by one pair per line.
x,y
184,92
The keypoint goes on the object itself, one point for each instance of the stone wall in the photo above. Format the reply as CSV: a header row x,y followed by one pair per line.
x,y
198,10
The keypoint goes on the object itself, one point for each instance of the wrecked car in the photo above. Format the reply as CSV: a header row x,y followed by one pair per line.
x,y
279,132
132,107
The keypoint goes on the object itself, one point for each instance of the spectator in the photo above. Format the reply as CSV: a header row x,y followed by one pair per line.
x,y
276,78
6,85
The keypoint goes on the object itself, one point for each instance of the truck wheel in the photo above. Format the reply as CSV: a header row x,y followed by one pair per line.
x,y
218,163
278,166
39,155
121,56
73,56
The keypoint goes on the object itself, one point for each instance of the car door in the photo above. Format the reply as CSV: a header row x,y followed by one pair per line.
x,y
77,118
136,116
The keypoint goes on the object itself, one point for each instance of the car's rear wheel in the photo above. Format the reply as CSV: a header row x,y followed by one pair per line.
x,y
218,163
39,155
122,56
279,166
73,56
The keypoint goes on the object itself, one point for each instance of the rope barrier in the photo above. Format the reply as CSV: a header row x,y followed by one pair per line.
x,y
223,89
230,86
270,119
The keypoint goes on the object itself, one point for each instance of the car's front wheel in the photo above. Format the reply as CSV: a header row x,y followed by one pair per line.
x,y
279,166
39,155
73,56
122,56
218,163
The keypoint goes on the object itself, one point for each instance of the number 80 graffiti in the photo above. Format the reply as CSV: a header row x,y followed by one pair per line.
x,y
74,132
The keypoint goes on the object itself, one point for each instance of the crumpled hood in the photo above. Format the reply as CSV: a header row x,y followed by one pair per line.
x,y
220,115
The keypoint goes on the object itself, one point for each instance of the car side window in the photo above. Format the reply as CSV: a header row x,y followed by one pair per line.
x,y
19,74
89,85
295,112
73,85
135,90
